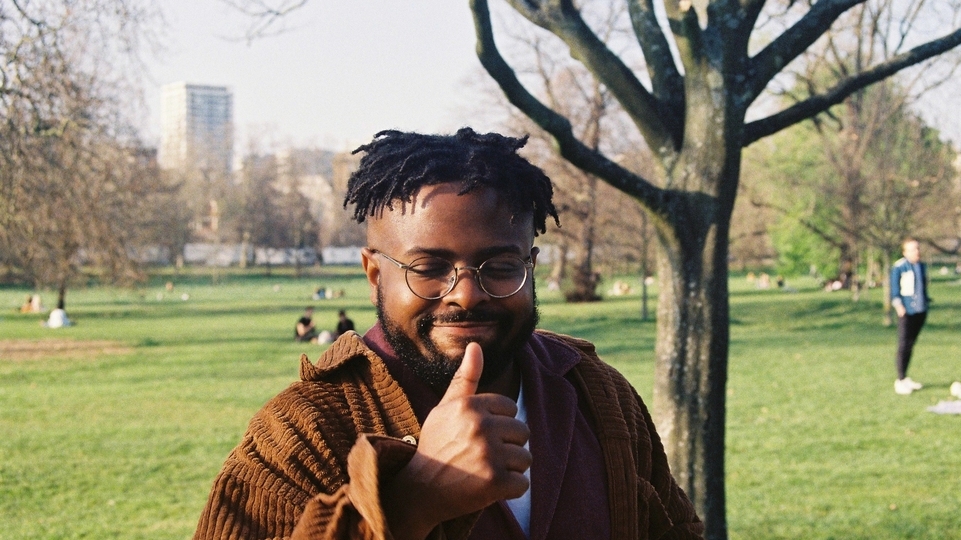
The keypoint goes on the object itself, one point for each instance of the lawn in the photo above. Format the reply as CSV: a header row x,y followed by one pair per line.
x,y
115,427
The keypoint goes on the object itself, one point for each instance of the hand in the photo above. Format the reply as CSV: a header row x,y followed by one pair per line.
x,y
471,454
899,309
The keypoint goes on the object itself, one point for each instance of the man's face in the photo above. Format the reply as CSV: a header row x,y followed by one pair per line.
x,y
431,335
912,251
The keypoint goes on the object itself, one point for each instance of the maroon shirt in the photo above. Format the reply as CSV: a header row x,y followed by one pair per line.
x,y
568,477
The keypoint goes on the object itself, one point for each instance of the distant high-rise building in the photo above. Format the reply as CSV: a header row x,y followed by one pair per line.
x,y
196,129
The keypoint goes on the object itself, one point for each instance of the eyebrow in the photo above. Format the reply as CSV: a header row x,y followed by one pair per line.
x,y
482,255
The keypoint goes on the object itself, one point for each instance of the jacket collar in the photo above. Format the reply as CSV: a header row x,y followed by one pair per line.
x,y
345,349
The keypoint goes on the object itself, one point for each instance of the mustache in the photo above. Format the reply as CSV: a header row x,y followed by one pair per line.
x,y
473,315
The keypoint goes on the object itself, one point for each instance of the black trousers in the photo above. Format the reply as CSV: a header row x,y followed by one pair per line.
x,y
909,327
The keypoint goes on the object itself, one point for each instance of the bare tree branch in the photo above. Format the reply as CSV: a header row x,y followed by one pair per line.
x,y
819,103
558,126
793,42
667,83
265,15
660,126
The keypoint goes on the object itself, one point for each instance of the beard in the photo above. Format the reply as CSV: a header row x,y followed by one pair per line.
x,y
436,368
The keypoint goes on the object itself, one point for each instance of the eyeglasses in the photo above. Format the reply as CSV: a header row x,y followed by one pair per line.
x,y
432,278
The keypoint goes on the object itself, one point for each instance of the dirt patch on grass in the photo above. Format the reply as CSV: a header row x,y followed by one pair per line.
x,y
23,349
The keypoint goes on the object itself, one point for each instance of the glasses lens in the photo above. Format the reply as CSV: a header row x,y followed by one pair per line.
x,y
430,277
502,276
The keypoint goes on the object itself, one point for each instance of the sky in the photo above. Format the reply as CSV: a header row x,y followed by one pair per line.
x,y
342,71
346,69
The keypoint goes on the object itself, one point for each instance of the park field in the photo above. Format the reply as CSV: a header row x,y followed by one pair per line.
x,y
115,428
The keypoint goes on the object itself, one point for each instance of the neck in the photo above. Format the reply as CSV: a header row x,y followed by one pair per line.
x,y
508,383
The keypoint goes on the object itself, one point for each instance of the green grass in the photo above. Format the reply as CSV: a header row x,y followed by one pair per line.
x,y
126,445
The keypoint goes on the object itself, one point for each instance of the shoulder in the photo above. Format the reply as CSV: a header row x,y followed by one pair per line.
x,y
313,423
598,376
347,352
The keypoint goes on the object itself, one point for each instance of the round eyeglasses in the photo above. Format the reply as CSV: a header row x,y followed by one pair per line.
x,y
432,278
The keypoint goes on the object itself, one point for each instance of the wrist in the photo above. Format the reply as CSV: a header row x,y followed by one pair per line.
x,y
404,500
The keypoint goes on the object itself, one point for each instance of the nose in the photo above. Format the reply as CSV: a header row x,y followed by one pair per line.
x,y
467,291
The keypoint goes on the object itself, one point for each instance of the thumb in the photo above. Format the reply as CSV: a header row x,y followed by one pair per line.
x,y
468,375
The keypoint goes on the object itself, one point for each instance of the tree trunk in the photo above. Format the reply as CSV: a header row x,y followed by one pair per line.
x,y
693,334
644,311
559,265
645,240
585,278
62,295
886,286
690,372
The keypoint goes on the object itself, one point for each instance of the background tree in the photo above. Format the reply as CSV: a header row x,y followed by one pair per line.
x,y
259,214
76,185
600,224
299,228
848,189
854,134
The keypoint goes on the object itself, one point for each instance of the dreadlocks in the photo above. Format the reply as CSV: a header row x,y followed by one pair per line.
x,y
397,164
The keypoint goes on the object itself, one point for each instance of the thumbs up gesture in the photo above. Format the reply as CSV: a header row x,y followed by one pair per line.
x,y
471,454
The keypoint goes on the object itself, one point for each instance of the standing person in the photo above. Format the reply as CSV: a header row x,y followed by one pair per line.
x,y
343,324
305,329
452,417
909,297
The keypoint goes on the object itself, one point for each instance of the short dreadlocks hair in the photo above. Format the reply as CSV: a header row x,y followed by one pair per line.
x,y
397,164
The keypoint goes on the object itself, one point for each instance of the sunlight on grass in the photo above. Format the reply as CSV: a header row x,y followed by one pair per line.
x,y
122,437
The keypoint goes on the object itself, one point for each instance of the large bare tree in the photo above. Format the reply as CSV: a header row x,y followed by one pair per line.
x,y
703,72
76,186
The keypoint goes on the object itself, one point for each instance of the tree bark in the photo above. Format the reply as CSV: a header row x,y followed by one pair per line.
x,y
690,373
886,286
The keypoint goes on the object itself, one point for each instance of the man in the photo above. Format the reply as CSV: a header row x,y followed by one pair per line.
x,y
451,417
343,324
909,297
305,330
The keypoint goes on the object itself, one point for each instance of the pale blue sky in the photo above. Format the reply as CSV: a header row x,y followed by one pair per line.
x,y
343,70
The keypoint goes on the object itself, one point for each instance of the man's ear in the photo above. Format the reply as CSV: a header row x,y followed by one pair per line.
x,y
534,252
372,269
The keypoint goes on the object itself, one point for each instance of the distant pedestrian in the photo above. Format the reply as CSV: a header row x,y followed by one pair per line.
x,y
343,324
909,298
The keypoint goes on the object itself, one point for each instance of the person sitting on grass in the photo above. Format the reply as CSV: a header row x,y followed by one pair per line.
x,y
343,324
305,331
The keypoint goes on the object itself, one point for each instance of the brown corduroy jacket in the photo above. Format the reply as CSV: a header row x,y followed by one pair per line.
x,y
312,460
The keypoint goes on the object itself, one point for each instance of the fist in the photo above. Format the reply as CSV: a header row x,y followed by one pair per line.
x,y
471,451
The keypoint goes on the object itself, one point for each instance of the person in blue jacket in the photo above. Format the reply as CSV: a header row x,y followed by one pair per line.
x,y
909,298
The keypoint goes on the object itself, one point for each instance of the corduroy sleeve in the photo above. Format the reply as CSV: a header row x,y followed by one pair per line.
x,y
354,510
269,508
310,465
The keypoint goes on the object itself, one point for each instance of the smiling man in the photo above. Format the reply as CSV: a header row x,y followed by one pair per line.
x,y
452,417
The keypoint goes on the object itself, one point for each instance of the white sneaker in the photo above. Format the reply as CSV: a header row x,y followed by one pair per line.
x,y
913,384
902,387
956,389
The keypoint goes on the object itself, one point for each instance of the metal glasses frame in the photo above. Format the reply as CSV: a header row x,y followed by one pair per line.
x,y
528,264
